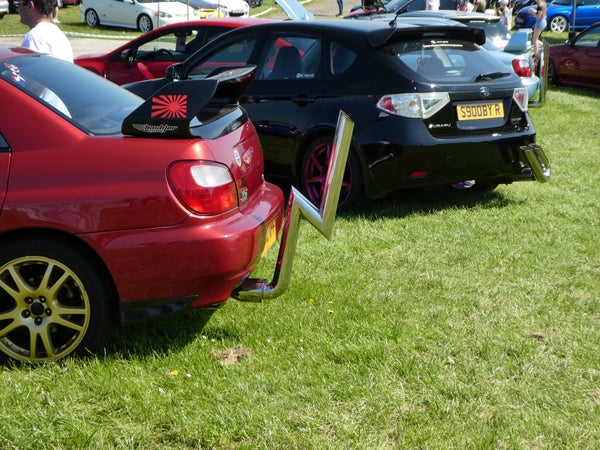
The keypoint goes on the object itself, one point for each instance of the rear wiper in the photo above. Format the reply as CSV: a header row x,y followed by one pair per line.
x,y
491,76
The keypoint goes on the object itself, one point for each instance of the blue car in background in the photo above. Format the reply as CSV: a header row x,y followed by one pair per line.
x,y
560,15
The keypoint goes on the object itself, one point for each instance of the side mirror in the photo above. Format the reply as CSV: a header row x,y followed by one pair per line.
x,y
174,72
127,58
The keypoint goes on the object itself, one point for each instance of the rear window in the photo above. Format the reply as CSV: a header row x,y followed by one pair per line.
x,y
90,102
443,61
496,33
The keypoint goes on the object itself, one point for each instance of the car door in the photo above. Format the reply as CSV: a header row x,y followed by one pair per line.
x,y
588,14
120,12
285,94
4,166
582,61
149,58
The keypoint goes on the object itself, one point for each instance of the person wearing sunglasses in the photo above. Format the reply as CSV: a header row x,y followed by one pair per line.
x,y
43,35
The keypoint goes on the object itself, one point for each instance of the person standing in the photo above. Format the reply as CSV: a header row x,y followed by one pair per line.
x,y
432,5
55,11
540,25
43,35
505,13
341,7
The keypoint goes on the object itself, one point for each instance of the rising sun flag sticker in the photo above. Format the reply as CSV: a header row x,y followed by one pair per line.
x,y
169,106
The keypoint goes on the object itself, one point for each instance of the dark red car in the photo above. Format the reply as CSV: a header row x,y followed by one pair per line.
x,y
115,210
148,56
577,61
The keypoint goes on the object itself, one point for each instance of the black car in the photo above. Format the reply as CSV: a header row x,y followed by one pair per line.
x,y
430,105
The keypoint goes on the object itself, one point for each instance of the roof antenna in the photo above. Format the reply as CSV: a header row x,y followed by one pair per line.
x,y
392,22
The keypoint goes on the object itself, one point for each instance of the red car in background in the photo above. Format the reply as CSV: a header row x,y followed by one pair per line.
x,y
148,56
577,61
114,209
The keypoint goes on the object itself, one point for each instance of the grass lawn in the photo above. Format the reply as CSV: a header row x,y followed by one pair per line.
x,y
435,319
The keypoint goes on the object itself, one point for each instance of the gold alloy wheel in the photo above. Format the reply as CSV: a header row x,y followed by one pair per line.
x,y
44,309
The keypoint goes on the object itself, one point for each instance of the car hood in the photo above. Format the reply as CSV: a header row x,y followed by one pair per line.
x,y
295,10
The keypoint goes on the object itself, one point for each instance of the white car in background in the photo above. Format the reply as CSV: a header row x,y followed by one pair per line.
x,y
3,8
221,8
144,15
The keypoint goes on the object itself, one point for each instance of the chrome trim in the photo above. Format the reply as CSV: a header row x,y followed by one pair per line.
x,y
299,206
543,76
538,161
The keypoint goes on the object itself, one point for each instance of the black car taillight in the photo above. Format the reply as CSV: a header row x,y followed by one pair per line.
x,y
419,106
204,187
521,98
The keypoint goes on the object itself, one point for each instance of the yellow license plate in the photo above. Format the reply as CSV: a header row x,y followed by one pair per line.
x,y
270,237
479,111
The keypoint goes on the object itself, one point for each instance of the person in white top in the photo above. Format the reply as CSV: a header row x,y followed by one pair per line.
x,y
43,35
432,5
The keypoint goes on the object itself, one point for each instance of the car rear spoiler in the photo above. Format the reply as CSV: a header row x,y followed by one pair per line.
x,y
382,36
169,111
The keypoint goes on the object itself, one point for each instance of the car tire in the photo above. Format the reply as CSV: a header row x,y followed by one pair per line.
x,y
558,24
552,73
313,172
53,301
91,18
144,23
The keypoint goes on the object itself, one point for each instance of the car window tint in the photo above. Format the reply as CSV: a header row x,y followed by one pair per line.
x,y
341,58
443,61
90,102
416,5
589,39
237,53
291,58
496,33
168,47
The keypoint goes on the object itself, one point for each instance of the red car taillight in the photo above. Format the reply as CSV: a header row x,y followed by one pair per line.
x,y
521,67
204,187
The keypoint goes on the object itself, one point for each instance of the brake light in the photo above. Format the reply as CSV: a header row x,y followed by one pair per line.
x,y
421,106
202,186
521,67
521,98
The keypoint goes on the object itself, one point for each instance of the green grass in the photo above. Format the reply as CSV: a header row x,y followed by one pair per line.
x,y
437,319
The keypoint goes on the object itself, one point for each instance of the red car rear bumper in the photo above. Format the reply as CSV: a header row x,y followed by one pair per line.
x,y
196,263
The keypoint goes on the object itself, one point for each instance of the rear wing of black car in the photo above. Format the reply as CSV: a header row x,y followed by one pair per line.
x,y
170,108
380,37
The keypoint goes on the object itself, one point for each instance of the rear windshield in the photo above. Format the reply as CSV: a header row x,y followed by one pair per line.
x,y
87,100
496,33
444,61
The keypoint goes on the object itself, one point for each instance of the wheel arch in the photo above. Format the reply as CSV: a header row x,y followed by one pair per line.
x,y
140,17
76,244
309,138
95,12
567,17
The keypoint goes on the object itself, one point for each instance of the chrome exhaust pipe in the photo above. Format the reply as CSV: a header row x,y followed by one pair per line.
x,y
538,161
323,219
